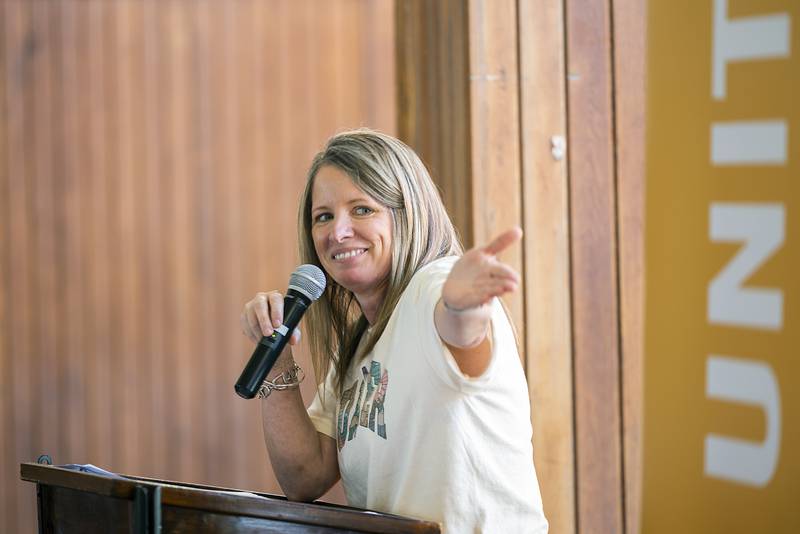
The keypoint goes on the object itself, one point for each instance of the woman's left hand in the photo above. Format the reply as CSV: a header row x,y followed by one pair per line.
x,y
479,276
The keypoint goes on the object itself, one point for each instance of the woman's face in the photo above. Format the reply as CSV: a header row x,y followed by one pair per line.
x,y
352,232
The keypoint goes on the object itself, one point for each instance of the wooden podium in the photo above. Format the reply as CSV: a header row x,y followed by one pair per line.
x,y
72,501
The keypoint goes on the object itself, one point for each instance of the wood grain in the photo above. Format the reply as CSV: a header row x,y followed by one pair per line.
x,y
630,31
594,268
154,209
80,502
151,157
434,99
7,455
547,257
127,88
44,232
73,354
494,132
19,279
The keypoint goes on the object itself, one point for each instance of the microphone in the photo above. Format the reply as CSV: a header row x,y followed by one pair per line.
x,y
305,286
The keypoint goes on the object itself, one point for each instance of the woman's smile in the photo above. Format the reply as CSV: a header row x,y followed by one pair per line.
x,y
349,254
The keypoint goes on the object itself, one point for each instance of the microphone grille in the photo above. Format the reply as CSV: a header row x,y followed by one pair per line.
x,y
309,280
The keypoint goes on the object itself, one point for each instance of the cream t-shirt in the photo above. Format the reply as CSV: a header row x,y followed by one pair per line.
x,y
418,438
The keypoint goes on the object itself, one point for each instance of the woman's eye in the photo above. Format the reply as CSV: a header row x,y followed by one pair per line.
x,y
322,217
363,210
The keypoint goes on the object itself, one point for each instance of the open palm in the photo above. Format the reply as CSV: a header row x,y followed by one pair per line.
x,y
479,276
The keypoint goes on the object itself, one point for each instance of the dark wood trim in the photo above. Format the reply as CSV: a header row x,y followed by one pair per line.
x,y
434,98
216,500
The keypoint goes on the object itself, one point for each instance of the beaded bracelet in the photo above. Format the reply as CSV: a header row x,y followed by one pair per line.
x,y
287,380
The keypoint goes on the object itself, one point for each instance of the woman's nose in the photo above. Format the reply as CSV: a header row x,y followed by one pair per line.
x,y
342,228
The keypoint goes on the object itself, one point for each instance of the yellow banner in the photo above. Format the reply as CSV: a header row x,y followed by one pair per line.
x,y
722,359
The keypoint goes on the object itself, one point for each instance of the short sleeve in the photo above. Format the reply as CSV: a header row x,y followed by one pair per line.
x,y
323,408
425,292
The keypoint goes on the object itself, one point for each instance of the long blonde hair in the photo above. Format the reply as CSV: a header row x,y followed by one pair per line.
x,y
391,173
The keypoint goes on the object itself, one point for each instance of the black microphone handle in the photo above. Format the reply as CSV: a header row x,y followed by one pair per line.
x,y
270,347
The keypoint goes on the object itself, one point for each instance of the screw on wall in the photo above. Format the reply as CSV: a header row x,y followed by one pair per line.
x,y
558,147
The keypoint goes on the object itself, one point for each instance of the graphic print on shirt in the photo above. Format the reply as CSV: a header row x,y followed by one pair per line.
x,y
365,408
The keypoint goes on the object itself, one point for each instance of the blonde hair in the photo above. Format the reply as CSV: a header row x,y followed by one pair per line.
x,y
391,173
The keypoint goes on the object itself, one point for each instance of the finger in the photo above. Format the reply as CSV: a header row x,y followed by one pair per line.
x,y
254,329
246,328
260,309
275,308
503,241
295,339
501,271
499,289
496,287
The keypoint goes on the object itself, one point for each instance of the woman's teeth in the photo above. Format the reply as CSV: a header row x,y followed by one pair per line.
x,y
349,254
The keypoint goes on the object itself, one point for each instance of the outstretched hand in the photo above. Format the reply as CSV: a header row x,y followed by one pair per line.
x,y
479,276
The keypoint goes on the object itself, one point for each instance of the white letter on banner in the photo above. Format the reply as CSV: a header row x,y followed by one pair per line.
x,y
747,38
749,143
752,383
761,228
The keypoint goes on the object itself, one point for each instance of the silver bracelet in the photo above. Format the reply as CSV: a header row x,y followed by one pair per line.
x,y
287,380
459,310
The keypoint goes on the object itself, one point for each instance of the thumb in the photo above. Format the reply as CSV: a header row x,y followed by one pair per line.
x,y
503,241
295,339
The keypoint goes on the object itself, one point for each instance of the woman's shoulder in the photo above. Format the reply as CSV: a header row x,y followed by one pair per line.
x,y
438,267
427,281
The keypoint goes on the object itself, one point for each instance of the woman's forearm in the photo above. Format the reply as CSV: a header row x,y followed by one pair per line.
x,y
462,329
303,460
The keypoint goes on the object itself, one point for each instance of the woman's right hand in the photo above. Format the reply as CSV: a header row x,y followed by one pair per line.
x,y
264,314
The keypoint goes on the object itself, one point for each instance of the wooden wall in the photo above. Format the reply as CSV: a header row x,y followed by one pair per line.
x,y
151,156
527,74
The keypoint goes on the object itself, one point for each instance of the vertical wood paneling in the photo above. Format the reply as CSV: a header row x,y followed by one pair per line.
x,y
19,295
84,243
205,217
630,23
234,180
494,133
43,214
7,469
266,155
377,46
155,324
155,215
128,172
228,185
151,157
224,340
73,405
594,268
98,265
459,102
58,261
113,298
245,130
182,285
433,95
583,291
547,266
168,152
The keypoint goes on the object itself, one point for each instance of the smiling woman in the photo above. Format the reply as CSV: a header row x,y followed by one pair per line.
x,y
423,406
352,235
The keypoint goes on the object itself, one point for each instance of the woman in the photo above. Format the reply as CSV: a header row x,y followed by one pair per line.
x,y
424,409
